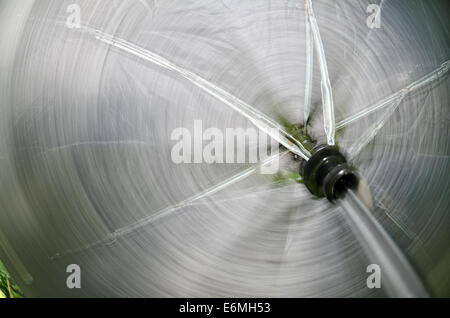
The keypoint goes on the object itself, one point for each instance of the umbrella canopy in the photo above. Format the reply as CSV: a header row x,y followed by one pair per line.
x,y
89,107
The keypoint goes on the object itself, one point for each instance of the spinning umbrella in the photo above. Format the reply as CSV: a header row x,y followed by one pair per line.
x,y
92,92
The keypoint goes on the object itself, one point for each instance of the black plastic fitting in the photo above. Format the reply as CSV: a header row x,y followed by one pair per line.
x,y
328,174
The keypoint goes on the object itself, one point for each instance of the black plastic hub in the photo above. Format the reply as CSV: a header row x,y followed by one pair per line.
x,y
327,173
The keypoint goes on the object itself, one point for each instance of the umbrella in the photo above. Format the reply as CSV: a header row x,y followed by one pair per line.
x,y
93,92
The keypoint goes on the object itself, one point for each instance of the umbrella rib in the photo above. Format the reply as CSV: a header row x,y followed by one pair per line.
x,y
327,93
259,119
391,100
370,134
210,191
309,68
165,212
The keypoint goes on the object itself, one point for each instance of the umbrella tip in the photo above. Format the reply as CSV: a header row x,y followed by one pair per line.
x,y
328,174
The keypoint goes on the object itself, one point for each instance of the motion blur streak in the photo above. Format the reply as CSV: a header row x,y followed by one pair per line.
x,y
85,146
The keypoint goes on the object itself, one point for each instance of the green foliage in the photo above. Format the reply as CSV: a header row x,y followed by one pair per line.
x,y
8,288
282,178
298,132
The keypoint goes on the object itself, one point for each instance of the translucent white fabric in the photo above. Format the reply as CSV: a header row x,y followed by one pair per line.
x,y
85,145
